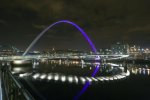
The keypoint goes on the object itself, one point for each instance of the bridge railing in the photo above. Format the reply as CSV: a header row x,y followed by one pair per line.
x,y
12,88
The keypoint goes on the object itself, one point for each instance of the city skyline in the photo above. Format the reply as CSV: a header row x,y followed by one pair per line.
x,y
110,47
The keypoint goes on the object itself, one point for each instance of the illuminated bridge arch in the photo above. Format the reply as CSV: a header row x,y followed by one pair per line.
x,y
85,36
58,22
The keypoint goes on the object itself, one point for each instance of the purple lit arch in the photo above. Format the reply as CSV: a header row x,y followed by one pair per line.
x,y
58,22
85,36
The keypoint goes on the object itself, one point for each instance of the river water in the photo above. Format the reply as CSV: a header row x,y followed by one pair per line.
x,y
63,80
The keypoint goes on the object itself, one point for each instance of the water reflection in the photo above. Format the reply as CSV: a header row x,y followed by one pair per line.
x,y
141,71
71,78
78,71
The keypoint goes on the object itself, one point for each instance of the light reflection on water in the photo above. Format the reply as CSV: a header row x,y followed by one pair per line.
x,y
141,71
72,79
78,71
48,73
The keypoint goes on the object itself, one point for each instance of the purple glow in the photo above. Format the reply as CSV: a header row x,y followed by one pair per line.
x,y
96,70
82,91
58,22
85,36
86,84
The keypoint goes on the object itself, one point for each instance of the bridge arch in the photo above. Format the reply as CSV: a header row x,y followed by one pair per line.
x,y
58,22
84,35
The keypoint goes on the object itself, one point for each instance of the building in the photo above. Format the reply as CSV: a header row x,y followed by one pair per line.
x,y
7,50
120,49
135,50
146,53
105,51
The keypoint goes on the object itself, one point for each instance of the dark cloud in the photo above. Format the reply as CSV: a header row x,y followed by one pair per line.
x,y
105,21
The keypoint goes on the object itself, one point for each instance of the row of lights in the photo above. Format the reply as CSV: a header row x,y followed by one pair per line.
x,y
144,71
74,79
5,63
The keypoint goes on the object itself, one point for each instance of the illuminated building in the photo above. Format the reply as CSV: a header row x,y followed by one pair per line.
x,y
134,50
105,51
120,49
8,50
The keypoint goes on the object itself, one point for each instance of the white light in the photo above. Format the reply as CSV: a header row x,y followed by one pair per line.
x,y
89,79
35,76
103,78
24,74
82,80
56,77
119,77
134,71
97,58
112,64
144,71
111,78
122,68
128,73
94,79
115,78
63,78
99,78
50,77
148,71
76,79
18,61
21,75
43,76
107,78
13,72
70,79
90,68
124,74
17,69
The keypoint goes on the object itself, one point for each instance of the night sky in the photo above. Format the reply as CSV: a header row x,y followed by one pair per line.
x,y
105,21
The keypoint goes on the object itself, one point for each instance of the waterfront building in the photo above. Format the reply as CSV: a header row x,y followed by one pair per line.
x,y
105,51
7,50
120,49
135,50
